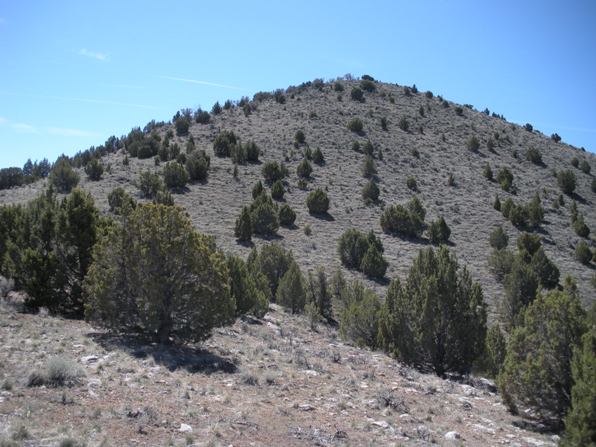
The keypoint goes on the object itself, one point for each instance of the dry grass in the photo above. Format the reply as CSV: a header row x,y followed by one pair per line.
x,y
272,383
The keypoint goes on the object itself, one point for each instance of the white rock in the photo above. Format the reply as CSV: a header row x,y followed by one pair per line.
x,y
382,424
185,428
452,435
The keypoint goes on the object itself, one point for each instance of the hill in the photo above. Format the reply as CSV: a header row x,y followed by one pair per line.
x,y
413,134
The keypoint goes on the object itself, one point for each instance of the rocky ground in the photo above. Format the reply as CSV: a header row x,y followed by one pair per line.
x,y
266,382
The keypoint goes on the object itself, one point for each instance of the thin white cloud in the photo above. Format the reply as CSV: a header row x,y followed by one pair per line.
x,y
23,128
66,132
57,131
93,54
200,82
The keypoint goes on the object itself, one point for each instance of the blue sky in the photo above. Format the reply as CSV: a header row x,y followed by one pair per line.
x,y
74,73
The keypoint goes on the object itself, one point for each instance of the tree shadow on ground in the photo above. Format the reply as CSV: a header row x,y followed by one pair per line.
x,y
191,358
323,216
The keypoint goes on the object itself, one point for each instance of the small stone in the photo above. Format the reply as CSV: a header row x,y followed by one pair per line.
x,y
89,359
306,407
185,428
382,424
452,435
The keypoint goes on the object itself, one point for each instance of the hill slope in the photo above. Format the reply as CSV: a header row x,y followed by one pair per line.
x,y
258,383
439,138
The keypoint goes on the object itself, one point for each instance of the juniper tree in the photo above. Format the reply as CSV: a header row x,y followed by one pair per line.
x,y
243,229
291,292
63,177
319,293
580,426
437,319
247,295
537,370
273,261
155,274
359,315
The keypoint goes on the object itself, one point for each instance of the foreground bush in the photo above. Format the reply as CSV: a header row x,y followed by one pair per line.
x,y
57,371
537,370
355,125
437,320
155,274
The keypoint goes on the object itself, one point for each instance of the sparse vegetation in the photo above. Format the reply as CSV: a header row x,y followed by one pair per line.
x,y
317,202
355,125
566,181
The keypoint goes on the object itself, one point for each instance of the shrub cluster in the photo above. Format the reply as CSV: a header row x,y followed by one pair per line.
x,y
94,170
10,177
262,217
529,215
273,171
404,220
534,155
566,181
505,179
363,252
317,202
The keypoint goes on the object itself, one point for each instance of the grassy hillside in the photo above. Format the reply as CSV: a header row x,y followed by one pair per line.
x,y
433,146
